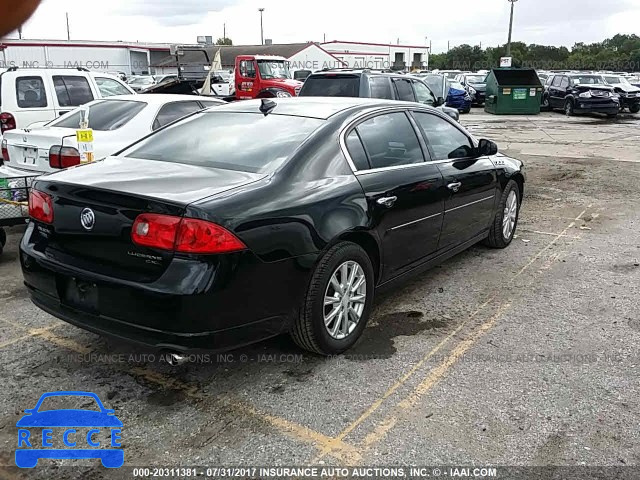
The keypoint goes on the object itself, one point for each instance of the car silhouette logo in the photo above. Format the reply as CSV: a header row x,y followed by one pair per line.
x,y
68,420
87,219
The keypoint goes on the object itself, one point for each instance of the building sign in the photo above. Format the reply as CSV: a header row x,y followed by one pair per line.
x,y
505,62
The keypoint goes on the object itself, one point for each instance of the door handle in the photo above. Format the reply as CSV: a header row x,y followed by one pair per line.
x,y
454,186
387,201
63,113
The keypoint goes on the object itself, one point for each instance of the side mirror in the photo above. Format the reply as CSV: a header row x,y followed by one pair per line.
x,y
487,148
440,101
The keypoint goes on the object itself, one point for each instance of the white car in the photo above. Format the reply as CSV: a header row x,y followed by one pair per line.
x,y
30,95
116,122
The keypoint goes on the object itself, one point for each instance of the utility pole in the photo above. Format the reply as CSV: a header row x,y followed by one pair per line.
x,y
448,45
68,31
261,10
512,2
224,31
20,32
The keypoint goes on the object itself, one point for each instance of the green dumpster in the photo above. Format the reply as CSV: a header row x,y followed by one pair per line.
x,y
513,91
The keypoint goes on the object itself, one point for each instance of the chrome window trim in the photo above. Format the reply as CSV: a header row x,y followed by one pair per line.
x,y
416,221
407,109
492,197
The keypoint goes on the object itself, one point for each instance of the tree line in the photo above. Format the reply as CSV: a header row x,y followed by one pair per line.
x,y
620,53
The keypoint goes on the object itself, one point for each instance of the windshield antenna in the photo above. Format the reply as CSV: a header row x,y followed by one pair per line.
x,y
267,106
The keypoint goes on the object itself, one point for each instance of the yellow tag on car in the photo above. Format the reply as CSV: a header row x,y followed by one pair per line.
x,y
85,135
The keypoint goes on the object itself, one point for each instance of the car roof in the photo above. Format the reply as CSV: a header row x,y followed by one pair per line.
x,y
312,107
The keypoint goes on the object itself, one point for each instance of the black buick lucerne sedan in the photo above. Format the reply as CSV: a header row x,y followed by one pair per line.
x,y
263,217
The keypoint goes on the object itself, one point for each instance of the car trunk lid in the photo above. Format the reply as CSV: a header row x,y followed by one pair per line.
x,y
96,205
29,149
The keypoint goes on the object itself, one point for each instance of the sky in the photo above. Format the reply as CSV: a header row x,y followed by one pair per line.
x,y
439,23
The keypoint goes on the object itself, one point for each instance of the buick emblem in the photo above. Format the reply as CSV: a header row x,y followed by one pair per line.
x,y
87,219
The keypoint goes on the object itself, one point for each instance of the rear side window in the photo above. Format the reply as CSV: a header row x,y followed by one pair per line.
x,y
103,116
249,142
72,91
173,111
331,86
390,141
380,87
30,92
356,151
405,92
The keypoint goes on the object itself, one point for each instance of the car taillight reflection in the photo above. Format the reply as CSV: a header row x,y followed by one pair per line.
x,y
185,235
40,206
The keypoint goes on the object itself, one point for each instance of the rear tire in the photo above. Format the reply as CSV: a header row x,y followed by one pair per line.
x,y
312,330
499,237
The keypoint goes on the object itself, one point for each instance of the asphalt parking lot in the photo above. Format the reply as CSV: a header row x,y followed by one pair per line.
x,y
526,356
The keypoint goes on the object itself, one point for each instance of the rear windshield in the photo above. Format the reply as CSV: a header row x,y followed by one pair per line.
x,y
103,116
331,86
249,142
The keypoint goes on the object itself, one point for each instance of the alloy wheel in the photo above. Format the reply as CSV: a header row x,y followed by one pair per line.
x,y
344,300
510,215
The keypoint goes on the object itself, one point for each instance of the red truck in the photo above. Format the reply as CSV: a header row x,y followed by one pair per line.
x,y
264,76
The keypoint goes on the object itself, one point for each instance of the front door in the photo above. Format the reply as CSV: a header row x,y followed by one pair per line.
x,y
470,181
404,193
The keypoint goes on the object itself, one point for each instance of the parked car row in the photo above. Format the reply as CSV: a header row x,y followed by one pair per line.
x,y
576,93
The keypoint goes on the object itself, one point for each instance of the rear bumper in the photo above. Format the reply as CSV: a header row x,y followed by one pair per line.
x,y
236,304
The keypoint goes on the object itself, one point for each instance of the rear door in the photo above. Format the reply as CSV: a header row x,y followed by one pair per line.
x,y
403,191
471,182
71,91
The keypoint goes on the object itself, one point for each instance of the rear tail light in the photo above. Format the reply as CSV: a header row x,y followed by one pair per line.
x,y
63,157
5,152
7,122
184,235
40,206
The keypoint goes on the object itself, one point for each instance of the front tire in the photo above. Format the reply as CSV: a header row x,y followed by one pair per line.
x,y
338,302
568,108
635,108
546,104
504,225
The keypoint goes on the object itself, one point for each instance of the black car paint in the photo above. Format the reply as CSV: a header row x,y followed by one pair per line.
x,y
287,219
558,96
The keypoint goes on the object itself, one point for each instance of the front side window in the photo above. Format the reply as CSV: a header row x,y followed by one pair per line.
x,y
30,92
72,91
247,69
564,83
423,94
105,115
248,142
109,87
390,140
173,111
447,142
405,92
